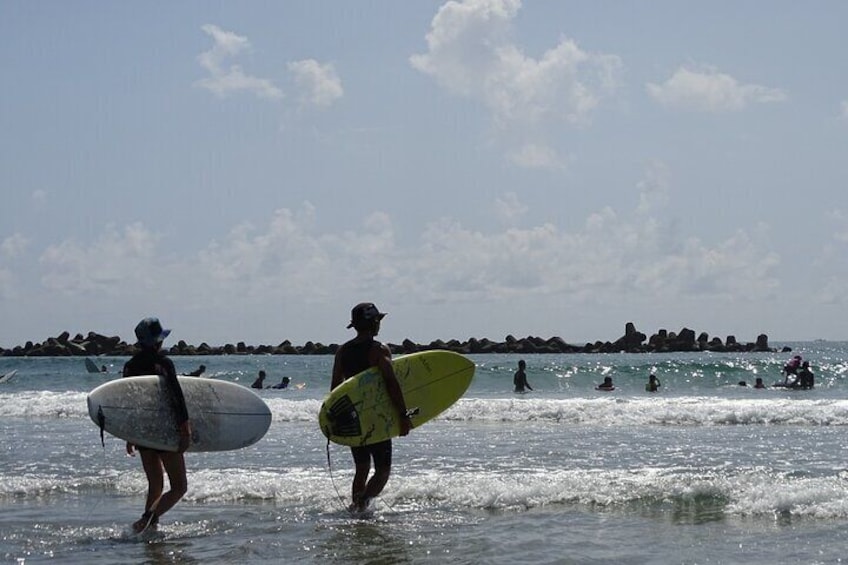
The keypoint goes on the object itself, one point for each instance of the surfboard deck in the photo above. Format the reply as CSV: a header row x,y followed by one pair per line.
x,y
6,377
224,415
360,412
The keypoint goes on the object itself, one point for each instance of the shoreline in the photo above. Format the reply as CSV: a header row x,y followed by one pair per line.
x,y
633,341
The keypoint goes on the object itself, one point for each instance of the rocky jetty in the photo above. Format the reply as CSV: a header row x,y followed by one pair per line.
x,y
633,341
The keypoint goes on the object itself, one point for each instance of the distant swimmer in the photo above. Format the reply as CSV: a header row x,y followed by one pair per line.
x,y
283,384
759,383
606,385
791,367
258,383
653,384
806,379
103,369
197,372
520,378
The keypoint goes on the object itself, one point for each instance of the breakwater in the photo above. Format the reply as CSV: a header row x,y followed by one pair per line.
x,y
633,341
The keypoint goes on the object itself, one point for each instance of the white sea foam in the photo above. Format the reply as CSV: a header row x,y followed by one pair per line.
x,y
679,411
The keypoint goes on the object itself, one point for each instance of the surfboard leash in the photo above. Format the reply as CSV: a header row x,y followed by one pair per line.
x,y
101,422
332,479
91,510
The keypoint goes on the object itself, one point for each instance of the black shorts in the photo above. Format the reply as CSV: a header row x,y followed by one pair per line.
x,y
381,453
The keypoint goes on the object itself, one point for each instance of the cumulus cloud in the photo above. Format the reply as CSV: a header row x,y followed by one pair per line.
x,y
708,90
319,84
470,52
510,209
115,263
256,271
537,156
654,187
840,221
14,245
610,253
225,78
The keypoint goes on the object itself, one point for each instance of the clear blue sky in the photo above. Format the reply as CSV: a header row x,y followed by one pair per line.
x,y
250,171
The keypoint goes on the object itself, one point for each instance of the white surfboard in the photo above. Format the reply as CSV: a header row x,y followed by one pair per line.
x,y
8,376
223,415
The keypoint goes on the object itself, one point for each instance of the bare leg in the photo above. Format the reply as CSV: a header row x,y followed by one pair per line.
x,y
152,465
174,464
359,479
378,482
382,454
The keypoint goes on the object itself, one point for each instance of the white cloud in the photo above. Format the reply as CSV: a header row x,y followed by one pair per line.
x,y
510,209
709,90
320,85
286,265
115,263
654,188
537,156
610,254
470,52
14,246
224,80
840,219
39,196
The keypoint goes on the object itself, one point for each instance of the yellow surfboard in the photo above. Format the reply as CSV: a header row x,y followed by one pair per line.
x,y
360,412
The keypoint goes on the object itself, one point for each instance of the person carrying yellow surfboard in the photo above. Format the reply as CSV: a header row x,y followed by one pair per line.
x,y
353,357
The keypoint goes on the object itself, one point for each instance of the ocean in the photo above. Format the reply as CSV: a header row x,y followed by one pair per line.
x,y
704,471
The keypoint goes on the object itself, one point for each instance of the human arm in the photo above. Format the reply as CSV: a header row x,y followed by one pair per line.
x,y
338,374
127,372
179,406
381,357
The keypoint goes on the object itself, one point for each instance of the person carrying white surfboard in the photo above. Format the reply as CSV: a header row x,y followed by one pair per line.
x,y
353,357
151,361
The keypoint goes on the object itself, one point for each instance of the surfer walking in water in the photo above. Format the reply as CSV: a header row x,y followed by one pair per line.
x,y
520,378
353,357
151,361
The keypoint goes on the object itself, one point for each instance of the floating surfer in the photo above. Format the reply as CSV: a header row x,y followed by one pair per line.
x,y
197,372
283,383
606,385
352,358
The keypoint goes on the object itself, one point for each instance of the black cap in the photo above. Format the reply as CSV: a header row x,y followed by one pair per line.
x,y
364,312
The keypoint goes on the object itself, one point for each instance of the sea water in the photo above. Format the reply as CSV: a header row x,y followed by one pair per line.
x,y
704,471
